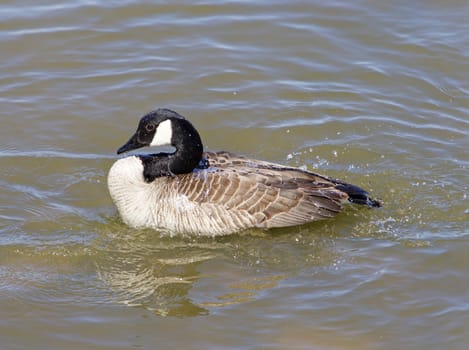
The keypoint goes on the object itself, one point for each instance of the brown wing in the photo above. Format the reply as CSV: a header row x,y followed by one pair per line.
x,y
267,194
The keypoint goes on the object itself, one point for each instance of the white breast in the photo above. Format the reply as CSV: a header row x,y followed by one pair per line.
x,y
130,192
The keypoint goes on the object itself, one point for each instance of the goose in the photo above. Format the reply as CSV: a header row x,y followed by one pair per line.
x,y
192,192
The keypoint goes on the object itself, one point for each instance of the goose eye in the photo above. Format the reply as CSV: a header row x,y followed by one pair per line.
x,y
150,127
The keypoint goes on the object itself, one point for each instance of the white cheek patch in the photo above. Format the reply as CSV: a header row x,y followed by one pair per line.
x,y
163,134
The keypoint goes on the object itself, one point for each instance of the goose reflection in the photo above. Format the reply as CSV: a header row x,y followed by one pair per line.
x,y
157,275
187,277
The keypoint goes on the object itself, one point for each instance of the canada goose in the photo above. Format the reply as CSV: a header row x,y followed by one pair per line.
x,y
213,193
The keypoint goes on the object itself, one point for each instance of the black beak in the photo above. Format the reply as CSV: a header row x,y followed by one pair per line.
x,y
132,144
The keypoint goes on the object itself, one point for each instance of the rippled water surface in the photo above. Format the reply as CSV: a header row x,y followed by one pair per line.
x,y
373,92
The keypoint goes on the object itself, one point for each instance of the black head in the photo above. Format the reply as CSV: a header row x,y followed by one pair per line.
x,y
165,127
154,129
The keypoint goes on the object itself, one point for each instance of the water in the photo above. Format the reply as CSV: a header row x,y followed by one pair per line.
x,y
375,93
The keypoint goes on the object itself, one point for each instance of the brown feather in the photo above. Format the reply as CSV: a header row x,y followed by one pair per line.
x,y
270,195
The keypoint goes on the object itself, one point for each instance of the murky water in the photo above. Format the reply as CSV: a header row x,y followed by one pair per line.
x,y
375,93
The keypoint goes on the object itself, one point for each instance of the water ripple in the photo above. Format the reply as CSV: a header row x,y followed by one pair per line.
x,y
52,154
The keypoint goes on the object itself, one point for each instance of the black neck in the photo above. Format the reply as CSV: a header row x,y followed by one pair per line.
x,y
184,159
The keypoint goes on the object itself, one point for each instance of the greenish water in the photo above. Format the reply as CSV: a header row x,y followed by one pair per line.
x,y
374,93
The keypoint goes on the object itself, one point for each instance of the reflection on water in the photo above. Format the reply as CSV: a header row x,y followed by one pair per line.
x,y
160,273
153,274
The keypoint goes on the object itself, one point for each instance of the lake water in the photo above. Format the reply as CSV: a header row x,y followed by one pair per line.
x,y
372,92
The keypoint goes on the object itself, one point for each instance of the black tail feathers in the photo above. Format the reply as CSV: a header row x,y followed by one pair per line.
x,y
358,195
